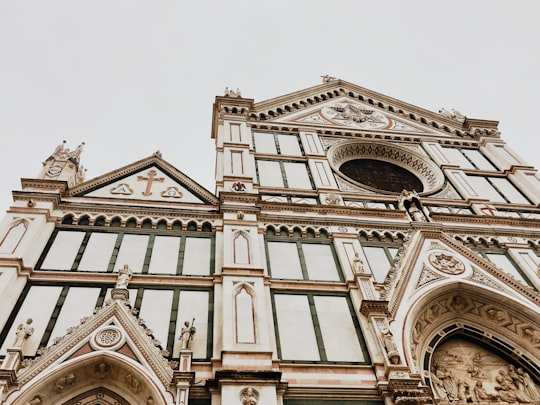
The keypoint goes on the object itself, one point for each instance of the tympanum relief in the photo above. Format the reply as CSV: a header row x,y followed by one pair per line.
x,y
463,371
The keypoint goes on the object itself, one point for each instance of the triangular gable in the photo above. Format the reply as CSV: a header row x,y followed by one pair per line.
x,y
316,106
348,113
445,262
150,179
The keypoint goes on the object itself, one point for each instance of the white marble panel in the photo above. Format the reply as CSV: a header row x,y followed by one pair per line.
x,y
288,145
79,302
506,265
197,257
377,262
193,304
455,157
164,258
38,305
296,332
156,311
478,159
509,191
484,189
320,262
97,254
63,251
284,260
132,252
269,173
297,175
337,329
265,143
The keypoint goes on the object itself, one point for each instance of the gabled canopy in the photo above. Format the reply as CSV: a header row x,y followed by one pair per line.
x,y
111,353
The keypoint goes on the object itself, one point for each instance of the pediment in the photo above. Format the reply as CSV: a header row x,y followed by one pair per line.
x,y
337,103
351,114
431,261
112,346
151,179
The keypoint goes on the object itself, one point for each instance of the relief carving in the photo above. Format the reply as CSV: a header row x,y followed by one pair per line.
x,y
249,396
464,371
65,381
447,264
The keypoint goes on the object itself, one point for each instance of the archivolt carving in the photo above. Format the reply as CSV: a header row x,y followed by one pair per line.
x,y
494,315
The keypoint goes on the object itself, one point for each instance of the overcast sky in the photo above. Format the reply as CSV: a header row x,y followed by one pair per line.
x,y
130,77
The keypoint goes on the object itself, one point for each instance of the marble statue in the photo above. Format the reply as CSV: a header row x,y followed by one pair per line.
x,y
24,331
124,277
186,335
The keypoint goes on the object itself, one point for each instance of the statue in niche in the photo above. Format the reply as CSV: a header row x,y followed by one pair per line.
x,y
124,277
186,334
24,331
249,396
390,345
410,202
358,265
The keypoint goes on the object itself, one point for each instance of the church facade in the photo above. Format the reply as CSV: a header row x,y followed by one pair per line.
x,y
357,249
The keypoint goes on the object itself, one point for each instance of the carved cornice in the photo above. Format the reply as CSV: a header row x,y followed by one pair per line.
x,y
52,186
370,308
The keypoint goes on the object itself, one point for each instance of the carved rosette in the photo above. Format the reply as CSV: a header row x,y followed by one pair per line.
x,y
446,263
108,337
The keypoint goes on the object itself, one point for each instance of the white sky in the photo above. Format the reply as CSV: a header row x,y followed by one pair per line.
x,y
130,77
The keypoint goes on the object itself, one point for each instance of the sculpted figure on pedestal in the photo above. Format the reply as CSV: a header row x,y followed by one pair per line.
x,y
24,331
124,277
186,335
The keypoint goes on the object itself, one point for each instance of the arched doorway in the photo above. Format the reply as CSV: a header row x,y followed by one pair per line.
x,y
471,344
96,378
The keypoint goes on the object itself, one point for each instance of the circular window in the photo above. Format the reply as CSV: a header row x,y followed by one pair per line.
x,y
384,167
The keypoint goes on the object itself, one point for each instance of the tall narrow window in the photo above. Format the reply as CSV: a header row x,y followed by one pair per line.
x,y
245,317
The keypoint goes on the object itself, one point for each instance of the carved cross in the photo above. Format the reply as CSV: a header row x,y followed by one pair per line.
x,y
488,208
150,179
